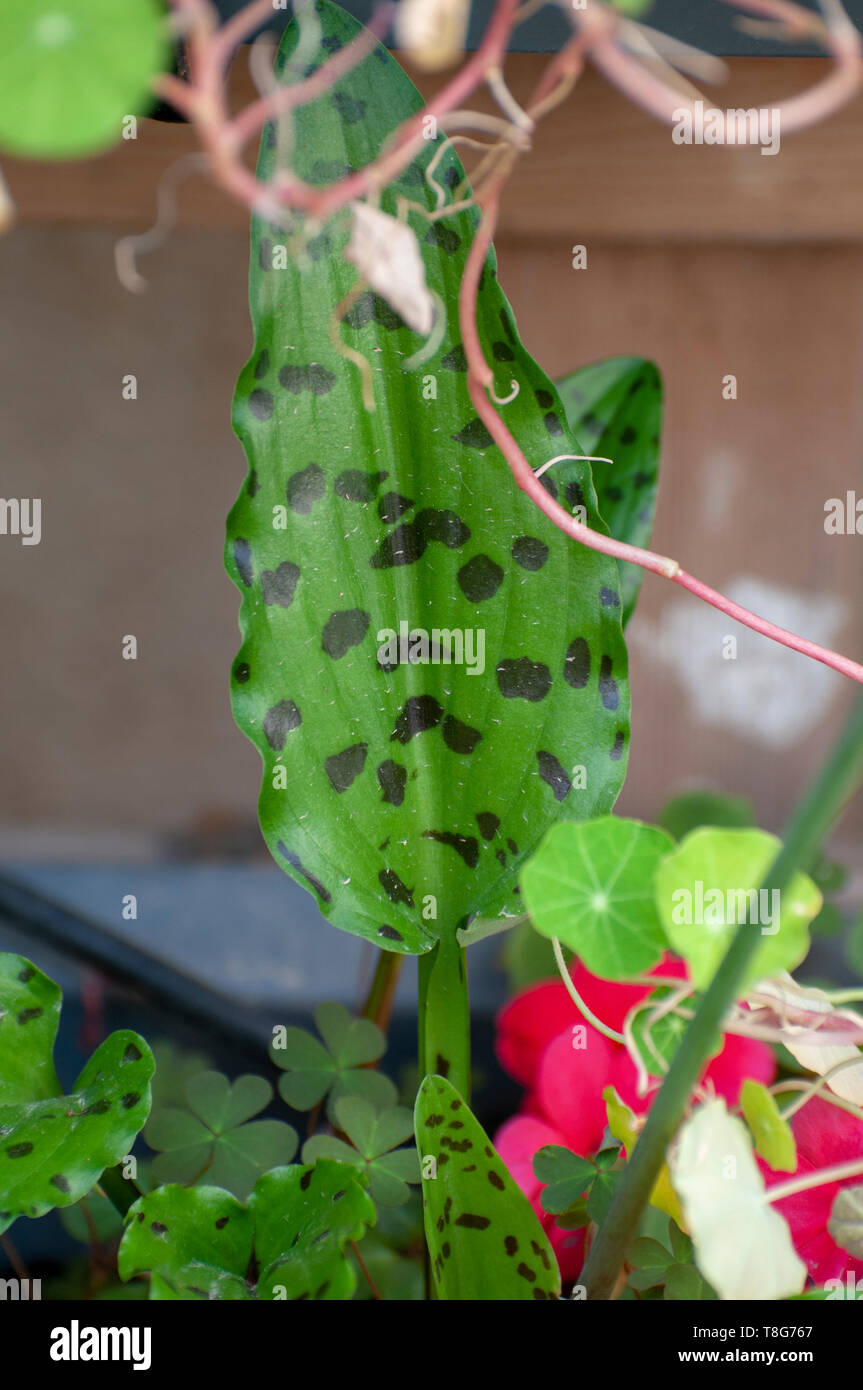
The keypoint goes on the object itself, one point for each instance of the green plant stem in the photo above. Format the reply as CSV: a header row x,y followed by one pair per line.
x,y
837,781
379,1000
119,1190
444,1014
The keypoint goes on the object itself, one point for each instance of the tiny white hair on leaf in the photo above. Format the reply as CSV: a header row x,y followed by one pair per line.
x,y
386,254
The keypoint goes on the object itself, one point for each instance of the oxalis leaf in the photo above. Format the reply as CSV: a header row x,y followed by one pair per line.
x,y
54,1147
615,409
846,1220
286,1243
406,795
483,1236
591,885
335,1067
703,889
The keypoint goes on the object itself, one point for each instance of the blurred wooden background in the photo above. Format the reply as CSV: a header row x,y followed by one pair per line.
x,y
709,260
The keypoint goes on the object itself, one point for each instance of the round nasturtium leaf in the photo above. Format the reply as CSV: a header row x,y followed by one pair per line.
x,y
71,70
703,890
591,886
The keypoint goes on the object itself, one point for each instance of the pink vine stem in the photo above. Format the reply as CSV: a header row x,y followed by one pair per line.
x,y
598,33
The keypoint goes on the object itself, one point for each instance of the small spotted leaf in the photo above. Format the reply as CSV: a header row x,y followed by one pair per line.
x,y
615,409
287,1242
591,886
484,1239
432,673
53,1147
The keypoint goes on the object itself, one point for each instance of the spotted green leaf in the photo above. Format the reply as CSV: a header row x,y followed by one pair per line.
x,y
71,71
591,886
484,1240
53,1147
704,888
285,1243
215,1138
615,409
405,794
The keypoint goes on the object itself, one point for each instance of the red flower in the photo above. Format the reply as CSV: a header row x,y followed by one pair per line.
x,y
825,1136
544,1042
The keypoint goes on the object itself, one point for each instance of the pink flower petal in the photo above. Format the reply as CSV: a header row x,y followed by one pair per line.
x,y
526,1025
570,1084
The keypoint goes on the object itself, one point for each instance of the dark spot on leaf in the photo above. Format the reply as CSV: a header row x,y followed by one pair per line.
x,y
552,772
607,685
510,1245
61,1183
396,891
460,738
242,672
407,543
295,863
344,768
351,109
474,435
306,1179
444,237
488,824
526,1273
544,399
496,1180
262,366
305,488
222,1223
467,846
628,435
389,933
576,666
455,361
502,352
471,1222
356,486
261,403
608,598
523,679
130,1100
278,586
99,1107
552,424
132,1053
28,1015
26,974
391,506
616,752
420,713
344,630
480,578
243,561
279,721
529,552
158,1228
19,1150
392,778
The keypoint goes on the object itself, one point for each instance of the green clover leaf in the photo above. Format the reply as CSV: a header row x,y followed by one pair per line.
x,y
375,1137
334,1068
213,1140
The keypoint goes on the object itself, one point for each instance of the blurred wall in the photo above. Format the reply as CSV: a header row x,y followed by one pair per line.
x,y
748,266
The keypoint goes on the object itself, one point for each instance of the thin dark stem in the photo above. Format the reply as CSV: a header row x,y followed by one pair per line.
x,y
362,1264
13,1257
382,991
839,778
